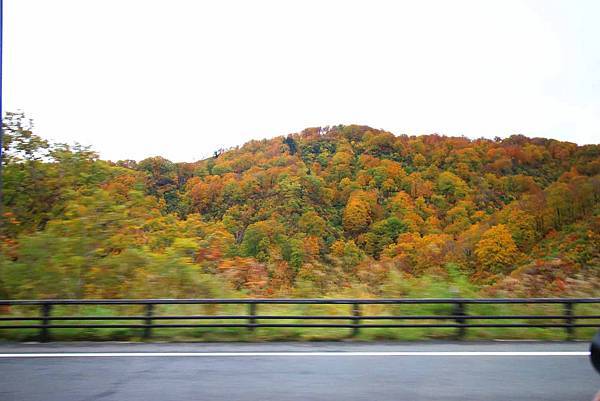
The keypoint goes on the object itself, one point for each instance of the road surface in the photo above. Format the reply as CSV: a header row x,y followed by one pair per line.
x,y
495,371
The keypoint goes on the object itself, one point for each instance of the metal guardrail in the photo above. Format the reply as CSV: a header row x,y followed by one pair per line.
x,y
459,317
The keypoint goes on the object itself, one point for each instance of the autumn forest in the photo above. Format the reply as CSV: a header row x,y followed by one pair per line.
x,y
329,211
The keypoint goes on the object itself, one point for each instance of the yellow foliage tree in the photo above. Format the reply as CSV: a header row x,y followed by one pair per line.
x,y
496,252
356,216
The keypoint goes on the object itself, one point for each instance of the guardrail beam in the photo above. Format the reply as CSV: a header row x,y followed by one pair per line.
x,y
459,319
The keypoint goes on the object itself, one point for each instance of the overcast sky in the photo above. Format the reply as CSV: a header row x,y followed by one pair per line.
x,y
136,78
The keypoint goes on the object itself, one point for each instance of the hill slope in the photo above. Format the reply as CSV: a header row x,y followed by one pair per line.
x,y
334,209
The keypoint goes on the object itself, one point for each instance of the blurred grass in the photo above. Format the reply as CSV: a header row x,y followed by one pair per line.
x,y
296,333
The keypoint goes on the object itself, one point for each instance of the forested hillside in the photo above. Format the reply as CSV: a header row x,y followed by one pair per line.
x,y
327,211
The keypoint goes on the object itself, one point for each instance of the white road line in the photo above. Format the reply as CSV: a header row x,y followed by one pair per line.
x,y
273,354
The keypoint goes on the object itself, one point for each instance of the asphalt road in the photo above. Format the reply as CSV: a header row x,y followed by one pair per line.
x,y
502,371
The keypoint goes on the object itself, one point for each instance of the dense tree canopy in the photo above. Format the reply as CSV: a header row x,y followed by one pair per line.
x,y
317,211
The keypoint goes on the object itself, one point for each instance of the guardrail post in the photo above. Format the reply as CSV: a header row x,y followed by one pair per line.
x,y
460,310
569,320
251,313
46,310
356,320
148,320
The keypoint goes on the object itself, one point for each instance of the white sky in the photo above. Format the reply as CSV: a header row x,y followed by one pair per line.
x,y
136,78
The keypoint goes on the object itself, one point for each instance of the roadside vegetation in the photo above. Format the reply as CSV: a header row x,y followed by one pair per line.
x,y
343,211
